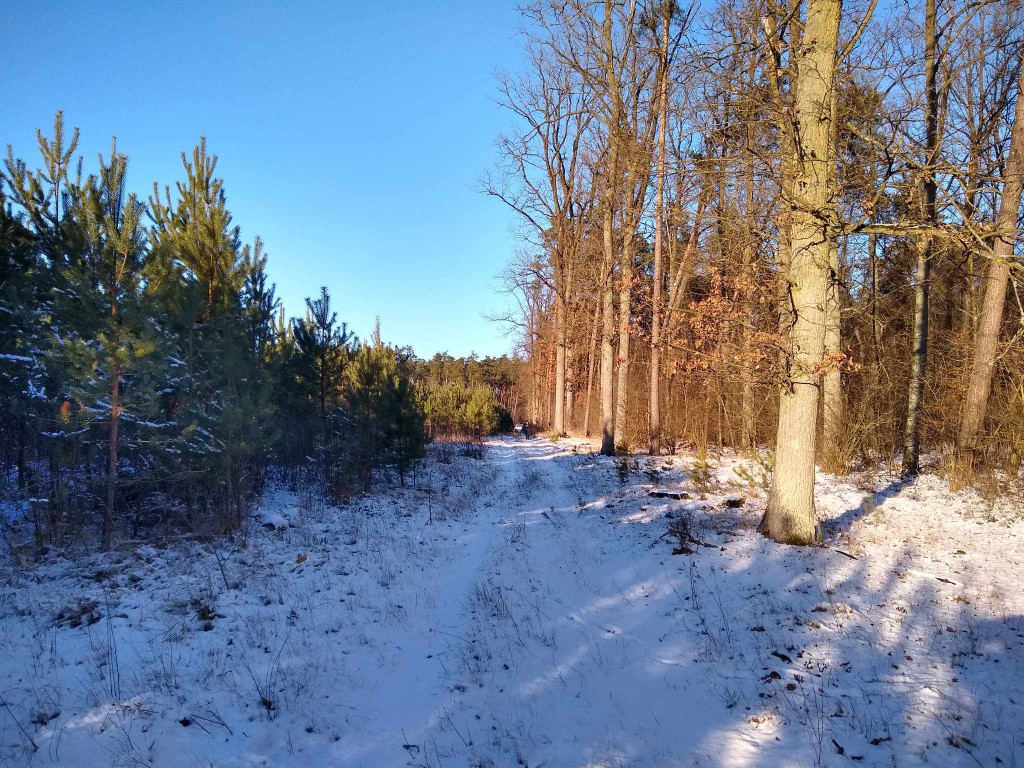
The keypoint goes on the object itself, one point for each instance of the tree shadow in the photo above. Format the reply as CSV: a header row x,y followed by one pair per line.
x,y
746,653
871,502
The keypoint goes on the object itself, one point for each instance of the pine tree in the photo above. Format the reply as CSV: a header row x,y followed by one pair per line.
x,y
107,282
408,434
205,243
366,423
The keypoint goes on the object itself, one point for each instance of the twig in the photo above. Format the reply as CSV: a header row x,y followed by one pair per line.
x,y
844,554
35,747
449,719
220,564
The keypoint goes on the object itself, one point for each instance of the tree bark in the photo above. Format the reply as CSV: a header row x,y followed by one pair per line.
x,y
832,387
591,360
608,223
658,287
748,436
922,287
559,420
991,317
569,390
625,307
607,334
790,516
106,537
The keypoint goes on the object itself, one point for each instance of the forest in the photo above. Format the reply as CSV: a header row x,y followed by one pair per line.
x,y
778,224
744,487
151,377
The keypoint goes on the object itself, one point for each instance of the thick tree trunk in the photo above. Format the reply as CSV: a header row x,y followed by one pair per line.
x,y
922,288
991,318
229,485
790,516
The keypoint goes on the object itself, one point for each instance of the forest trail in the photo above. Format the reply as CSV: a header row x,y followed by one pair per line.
x,y
442,656
418,690
584,642
522,606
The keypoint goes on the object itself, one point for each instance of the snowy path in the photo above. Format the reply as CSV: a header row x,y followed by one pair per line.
x,y
414,693
590,645
525,609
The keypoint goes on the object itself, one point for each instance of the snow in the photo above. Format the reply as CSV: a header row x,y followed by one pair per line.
x,y
526,609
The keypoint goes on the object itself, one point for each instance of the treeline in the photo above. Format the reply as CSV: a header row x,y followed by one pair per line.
x,y
758,223
503,376
148,373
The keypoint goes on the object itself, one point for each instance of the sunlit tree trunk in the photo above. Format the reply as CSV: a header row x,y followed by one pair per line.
x,y
832,387
559,417
778,40
790,515
625,307
591,362
991,317
569,389
748,436
657,291
607,335
922,285
608,223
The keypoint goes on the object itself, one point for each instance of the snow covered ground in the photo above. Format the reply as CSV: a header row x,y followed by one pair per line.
x,y
527,609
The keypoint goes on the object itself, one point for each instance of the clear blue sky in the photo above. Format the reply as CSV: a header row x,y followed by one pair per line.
x,y
350,135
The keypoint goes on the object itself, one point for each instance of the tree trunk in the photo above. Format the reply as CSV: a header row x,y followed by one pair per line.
x,y
918,360
991,318
607,351
22,464
876,323
535,357
658,287
591,360
922,288
107,534
832,387
748,436
790,516
608,223
559,418
625,305
671,420
786,133
569,390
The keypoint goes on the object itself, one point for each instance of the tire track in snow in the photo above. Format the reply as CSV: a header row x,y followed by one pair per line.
x,y
416,695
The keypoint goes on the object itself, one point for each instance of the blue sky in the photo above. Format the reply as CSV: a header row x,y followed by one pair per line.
x,y
350,135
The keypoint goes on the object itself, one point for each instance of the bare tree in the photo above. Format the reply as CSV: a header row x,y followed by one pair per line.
x,y
790,514
987,341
